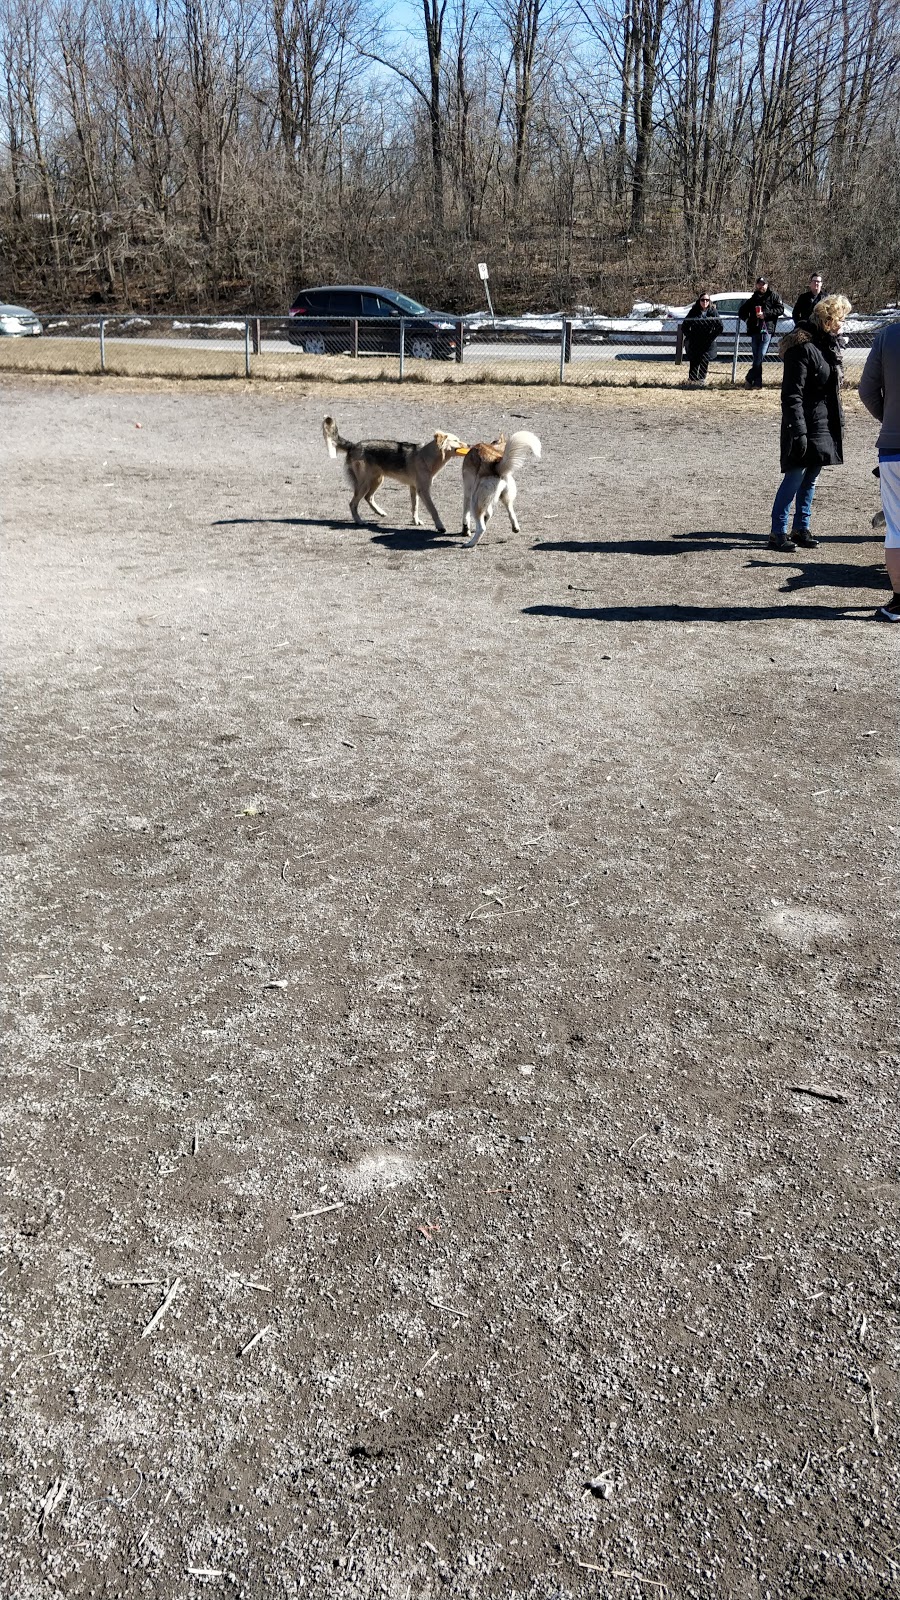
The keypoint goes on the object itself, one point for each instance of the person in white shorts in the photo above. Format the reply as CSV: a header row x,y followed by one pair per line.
x,y
879,391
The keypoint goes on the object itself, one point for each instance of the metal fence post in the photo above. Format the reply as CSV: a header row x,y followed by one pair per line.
x,y
102,344
737,340
355,351
402,346
562,350
459,342
246,347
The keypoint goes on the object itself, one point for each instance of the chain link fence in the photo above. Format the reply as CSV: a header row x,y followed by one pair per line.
x,y
528,350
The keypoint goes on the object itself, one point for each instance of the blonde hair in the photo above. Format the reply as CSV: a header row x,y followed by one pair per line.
x,y
831,312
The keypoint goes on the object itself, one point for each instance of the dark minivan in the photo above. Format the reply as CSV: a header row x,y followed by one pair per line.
x,y
359,319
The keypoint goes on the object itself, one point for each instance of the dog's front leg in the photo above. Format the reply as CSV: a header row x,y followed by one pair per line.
x,y
480,525
432,510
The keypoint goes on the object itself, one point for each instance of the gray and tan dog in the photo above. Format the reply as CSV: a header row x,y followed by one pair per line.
x,y
488,480
372,460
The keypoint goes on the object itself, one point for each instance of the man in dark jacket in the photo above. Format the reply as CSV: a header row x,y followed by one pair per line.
x,y
700,328
812,418
803,305
760,313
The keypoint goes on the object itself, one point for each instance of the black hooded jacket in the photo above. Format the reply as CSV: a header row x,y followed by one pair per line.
x,y
701,327
812,418
771,305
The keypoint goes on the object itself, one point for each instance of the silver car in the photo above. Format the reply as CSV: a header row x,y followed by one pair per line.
x,y
18,320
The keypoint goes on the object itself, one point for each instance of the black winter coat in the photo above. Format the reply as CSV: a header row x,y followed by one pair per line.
x,y
701,328
803,305
772,308
812,419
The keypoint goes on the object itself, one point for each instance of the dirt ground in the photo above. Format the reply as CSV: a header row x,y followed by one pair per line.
x,y
416,960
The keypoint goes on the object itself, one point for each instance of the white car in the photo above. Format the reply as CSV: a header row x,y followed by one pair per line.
x,y
17,320
726,305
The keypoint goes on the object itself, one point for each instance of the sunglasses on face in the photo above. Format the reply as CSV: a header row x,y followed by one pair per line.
x,y
704,299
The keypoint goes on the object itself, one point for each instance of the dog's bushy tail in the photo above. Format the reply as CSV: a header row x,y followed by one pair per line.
x,y
333,439
518,447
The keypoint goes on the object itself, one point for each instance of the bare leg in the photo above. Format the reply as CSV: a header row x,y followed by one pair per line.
x,y
892,562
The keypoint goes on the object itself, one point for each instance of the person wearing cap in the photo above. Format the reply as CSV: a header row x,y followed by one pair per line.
x,y
804,303
701,328
760,313
879,391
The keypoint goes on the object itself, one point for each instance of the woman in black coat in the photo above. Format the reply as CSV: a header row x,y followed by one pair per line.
x,y
701,328
812,420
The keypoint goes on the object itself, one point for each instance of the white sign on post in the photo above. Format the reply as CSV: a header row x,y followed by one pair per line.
x,y
483,275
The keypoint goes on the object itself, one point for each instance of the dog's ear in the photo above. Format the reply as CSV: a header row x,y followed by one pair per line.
x,y
440,440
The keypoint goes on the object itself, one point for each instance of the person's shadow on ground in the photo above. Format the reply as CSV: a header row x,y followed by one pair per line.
x,y
673,545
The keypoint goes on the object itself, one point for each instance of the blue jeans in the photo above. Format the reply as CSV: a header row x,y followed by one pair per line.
x,y
759,344
800,484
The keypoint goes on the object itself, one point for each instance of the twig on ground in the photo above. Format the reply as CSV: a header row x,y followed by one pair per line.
x,y
588,1566
195,1142
284,867
54,1495
433,1357
133,1283
255,1340
205,1572
819,1092
873,1409
158,1315
806,1462
637,1577
319,1211
247,1283
452,1311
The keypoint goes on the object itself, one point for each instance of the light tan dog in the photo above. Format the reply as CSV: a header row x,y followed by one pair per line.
x,y
488,480
372,460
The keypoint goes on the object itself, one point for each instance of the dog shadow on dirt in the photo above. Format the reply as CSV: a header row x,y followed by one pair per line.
x,y
392,538
417,539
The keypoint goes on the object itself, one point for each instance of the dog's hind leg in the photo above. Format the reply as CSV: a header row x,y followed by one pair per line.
x,y
360,482
508,496
371,493
467,507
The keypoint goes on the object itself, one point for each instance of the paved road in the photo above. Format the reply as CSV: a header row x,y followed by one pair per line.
x,y
655,349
